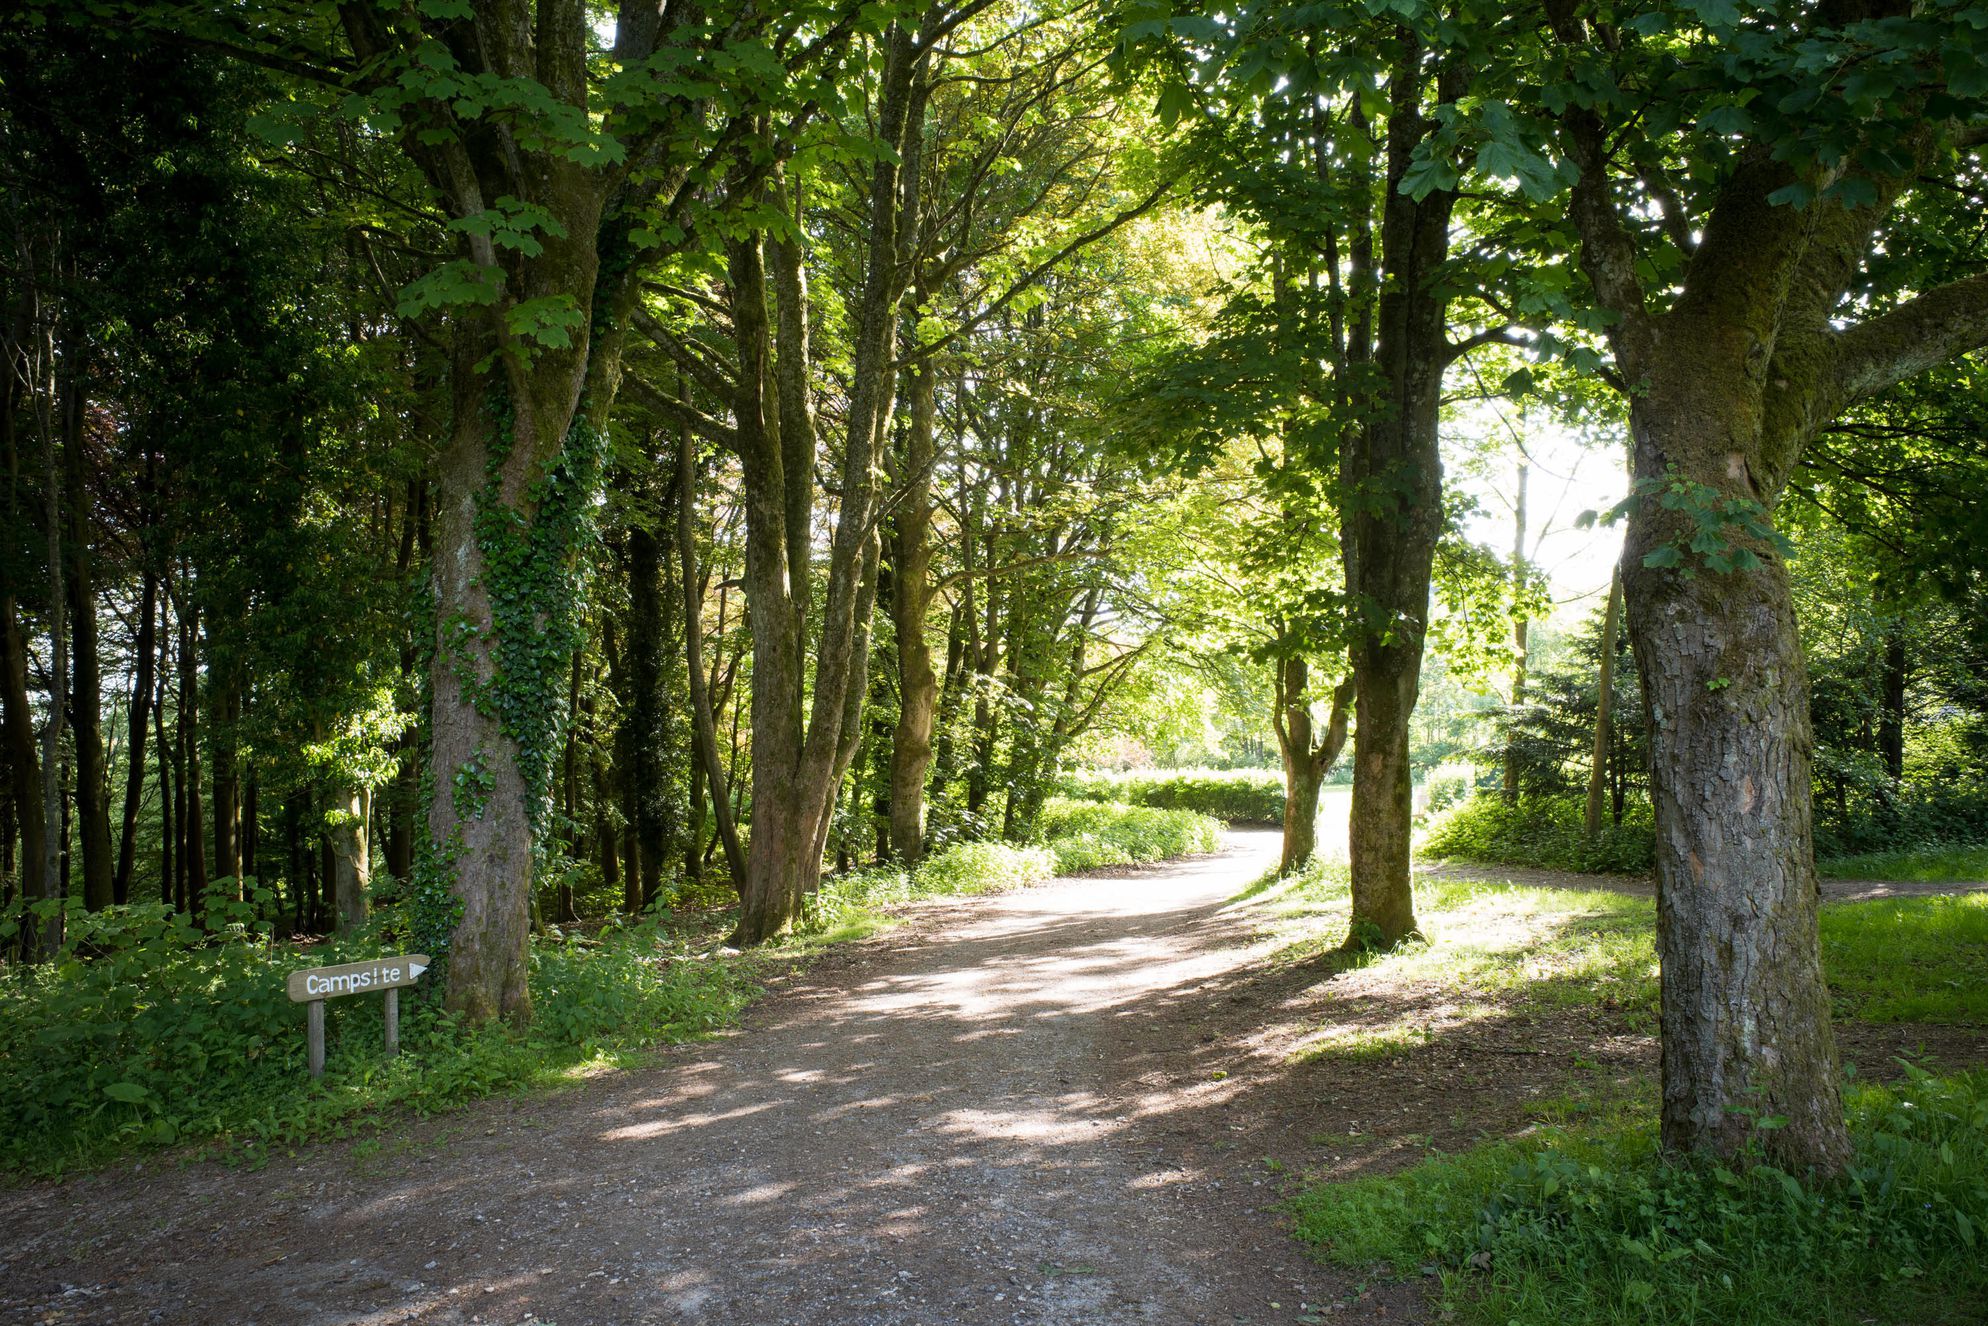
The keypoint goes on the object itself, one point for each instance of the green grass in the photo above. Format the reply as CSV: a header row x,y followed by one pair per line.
x,y
1529,948
1927,865
1584,1226
1909,959
1483,941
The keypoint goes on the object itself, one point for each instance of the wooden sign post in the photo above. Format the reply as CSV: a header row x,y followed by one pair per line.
x,y
313,985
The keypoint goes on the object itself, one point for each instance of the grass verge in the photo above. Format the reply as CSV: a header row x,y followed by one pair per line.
x,y
1491,946
1926,865
1586,1226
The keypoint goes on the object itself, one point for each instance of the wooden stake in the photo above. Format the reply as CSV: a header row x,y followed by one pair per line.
x,y
393,1023
316,1011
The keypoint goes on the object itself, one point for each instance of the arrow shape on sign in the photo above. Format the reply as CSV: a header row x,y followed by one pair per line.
x,y
416,968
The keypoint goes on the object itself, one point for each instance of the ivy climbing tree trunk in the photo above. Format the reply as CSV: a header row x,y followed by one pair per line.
x,y
551,196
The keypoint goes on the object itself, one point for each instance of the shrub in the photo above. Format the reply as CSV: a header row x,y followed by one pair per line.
x,y
169,1034
1240,796
1085,835
1592,1227
1447,785
963,868
1549,832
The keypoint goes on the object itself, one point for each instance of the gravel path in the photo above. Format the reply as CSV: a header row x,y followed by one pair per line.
x,y
999,1113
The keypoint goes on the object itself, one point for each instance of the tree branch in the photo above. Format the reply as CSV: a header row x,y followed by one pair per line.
x,y
665,404
1888,349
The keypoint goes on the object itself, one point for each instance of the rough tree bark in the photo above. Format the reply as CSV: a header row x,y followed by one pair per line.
x,y
525,411
1392,474
801,744
1726,386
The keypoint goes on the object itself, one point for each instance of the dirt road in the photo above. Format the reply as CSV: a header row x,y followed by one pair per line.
x,y
1003,1112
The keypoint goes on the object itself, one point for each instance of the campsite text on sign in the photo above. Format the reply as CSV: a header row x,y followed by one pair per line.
x,y
356,977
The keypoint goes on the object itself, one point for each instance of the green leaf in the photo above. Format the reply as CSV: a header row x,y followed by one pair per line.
x,y
128,1092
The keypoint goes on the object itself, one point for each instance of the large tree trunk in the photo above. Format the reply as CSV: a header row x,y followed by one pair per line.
x,y
481,815
911,601
802,744
1745,1013
1394,472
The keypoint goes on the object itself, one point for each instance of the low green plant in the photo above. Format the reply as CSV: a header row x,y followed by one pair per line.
x,y
1240,796
148,1030
1543,831
1588,1226
1088,835
853,903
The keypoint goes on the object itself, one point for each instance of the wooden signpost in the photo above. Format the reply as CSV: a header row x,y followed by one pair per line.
x,y
313,985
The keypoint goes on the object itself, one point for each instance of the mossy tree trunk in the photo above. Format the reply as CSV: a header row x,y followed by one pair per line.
x,y
1728,376
1392,476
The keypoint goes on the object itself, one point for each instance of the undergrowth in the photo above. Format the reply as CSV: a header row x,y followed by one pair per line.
x,y
1241,796
1586,1226
166,1034
150,1031
1549,832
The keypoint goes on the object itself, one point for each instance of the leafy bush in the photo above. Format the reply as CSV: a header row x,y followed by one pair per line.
x,y
167,1033
1240,796
1542,831
1085,835
963,868
1592,1227
1447,785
